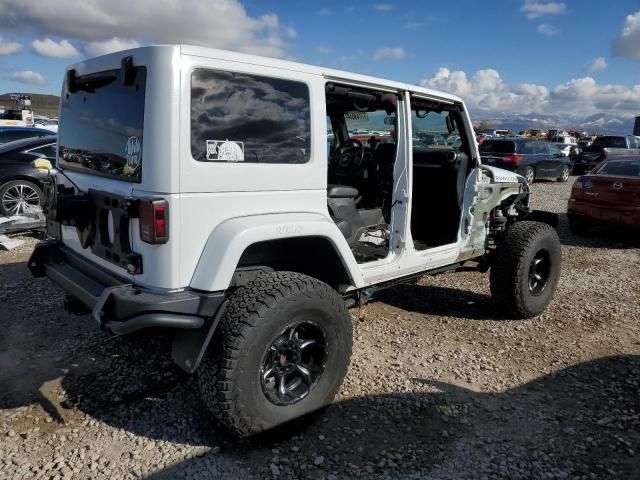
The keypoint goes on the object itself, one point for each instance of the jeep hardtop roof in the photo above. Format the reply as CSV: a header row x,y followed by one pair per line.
x,y
238,57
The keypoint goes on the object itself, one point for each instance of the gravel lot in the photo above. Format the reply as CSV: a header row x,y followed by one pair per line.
x,y
440,386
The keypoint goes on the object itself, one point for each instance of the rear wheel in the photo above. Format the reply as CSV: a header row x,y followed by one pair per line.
x,y
526,268
284,348
19,197
530,175
564,174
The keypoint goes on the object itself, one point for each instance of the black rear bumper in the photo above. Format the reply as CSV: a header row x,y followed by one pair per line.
x,y
116,304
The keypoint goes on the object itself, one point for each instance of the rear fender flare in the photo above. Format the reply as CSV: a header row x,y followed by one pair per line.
x,y
228,241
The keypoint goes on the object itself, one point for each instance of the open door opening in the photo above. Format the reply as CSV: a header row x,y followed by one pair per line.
x,y
362,149
441,163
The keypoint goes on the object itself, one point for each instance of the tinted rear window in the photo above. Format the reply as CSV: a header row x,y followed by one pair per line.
x,y
101,126
625,168
492,146
610,142
236,117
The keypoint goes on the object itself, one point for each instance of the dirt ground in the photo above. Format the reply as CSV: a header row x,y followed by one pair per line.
x,y
441,386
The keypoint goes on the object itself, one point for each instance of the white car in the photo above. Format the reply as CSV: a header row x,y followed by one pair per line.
x,y
201,198
566,144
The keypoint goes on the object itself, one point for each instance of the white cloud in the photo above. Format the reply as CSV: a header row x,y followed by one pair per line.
x,y
325,11
598,64
627,45
220,24
384,54
487,93
28,76
115,44
384,7
534,9
547,29
51,48
9,48
323,49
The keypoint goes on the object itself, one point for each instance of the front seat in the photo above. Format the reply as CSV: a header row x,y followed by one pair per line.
x,y
341,200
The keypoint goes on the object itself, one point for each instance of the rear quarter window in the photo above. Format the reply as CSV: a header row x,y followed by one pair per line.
x,y
237,117
490,146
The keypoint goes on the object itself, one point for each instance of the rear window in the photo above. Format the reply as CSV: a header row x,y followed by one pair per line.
x,y
610,142
236,117
492,146
101,125
623,168
9,136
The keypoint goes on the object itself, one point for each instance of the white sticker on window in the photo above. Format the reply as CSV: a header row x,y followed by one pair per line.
x,y
225,150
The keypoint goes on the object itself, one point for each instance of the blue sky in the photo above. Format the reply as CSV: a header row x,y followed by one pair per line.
x,y
501,55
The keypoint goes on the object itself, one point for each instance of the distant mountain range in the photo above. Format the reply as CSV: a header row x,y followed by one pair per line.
x,y
597,123
42,104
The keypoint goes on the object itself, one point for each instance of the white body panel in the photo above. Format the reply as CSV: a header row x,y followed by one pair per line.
x,y
218,209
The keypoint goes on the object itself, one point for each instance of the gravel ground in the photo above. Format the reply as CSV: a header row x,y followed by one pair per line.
x,y
440,386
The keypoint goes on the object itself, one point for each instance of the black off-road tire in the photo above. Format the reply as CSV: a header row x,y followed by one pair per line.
x,y
257,314
511,266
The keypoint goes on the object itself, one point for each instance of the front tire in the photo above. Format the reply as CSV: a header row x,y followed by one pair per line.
x,y
284,348
564,174
526,269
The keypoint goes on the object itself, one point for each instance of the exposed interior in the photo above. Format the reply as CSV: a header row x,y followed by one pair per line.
x,y
361,146
362,151
441,164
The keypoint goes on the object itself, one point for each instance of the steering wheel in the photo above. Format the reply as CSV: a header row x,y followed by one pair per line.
x,y
347,159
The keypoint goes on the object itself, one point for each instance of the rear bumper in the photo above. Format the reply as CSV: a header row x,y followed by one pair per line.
x,y
116,304
619,215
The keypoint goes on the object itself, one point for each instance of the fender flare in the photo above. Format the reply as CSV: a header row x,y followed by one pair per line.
x,y
228,241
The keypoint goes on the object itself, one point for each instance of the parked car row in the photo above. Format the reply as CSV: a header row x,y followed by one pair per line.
x,y
609,194
533,159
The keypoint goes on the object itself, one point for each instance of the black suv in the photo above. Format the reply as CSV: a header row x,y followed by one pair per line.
x,y
533,159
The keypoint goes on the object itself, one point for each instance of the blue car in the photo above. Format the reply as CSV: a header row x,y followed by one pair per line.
x,y
10,134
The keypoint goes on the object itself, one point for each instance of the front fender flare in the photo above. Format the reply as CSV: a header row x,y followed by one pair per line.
x,y
228,241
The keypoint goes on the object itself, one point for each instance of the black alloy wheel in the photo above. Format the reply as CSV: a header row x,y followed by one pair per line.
x,y
293,364
539,272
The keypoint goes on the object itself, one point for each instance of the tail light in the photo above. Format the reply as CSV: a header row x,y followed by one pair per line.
x,y
154,220
513,158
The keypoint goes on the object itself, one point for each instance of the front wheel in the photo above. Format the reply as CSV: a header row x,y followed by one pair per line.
x,y
526,268
564,174
284,348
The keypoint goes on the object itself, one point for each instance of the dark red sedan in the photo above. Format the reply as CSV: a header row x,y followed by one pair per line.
x,y
610,194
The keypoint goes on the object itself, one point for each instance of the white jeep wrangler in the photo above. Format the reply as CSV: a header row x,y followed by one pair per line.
x,y
242,204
